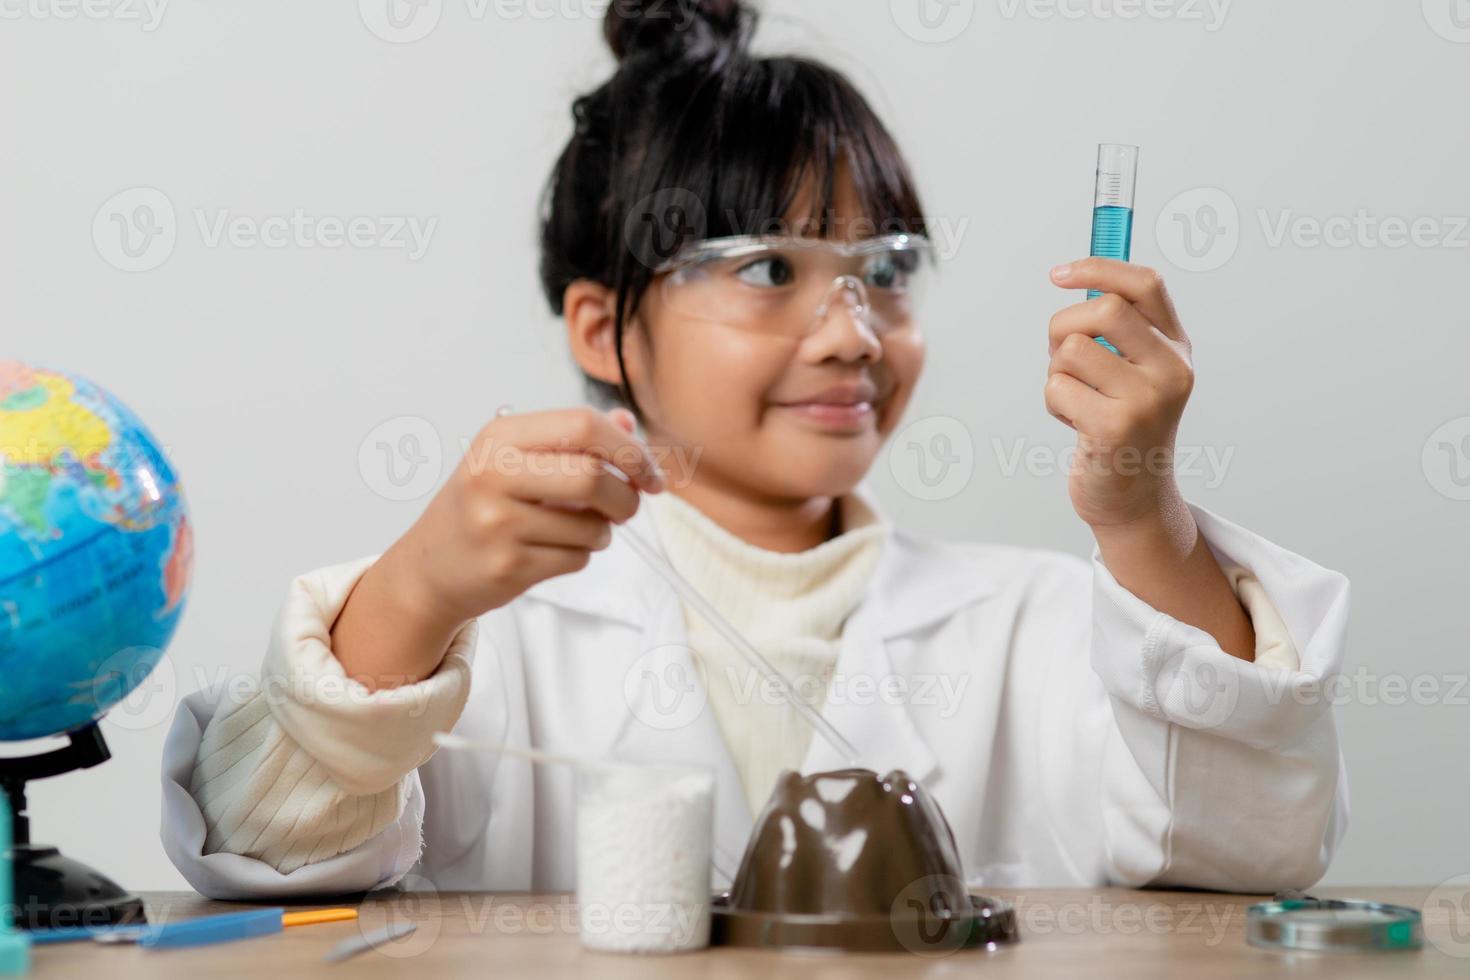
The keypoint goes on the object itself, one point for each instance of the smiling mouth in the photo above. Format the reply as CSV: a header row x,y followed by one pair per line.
x,y
850,405
844,414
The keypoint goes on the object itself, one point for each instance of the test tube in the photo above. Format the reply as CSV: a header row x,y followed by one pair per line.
x,y
1112,208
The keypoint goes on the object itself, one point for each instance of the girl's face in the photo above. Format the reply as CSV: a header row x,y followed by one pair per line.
x,y
769,415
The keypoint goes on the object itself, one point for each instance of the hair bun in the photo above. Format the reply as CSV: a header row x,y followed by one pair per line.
x,y
679,28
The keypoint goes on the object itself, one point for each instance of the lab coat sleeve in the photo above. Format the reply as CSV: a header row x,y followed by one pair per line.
x,y
302,781
1221,773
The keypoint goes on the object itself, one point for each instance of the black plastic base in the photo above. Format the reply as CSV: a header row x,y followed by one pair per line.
x,y
989,923
53,890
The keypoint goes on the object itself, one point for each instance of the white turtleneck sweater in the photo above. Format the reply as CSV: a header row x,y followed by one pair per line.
x,y
265,796
790,606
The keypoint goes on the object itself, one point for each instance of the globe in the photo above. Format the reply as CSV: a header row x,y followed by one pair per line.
x,y
96,552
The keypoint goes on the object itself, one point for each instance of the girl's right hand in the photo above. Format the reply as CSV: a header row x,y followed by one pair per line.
x,y
532,499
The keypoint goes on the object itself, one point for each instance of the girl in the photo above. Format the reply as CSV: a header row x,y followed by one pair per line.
x,y
735,246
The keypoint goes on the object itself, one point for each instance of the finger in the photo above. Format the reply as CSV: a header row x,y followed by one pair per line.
x,y
560,527
570,478
539,562
1115,318
587,431
1138,284
1072,401
1089,362
628,422
624,420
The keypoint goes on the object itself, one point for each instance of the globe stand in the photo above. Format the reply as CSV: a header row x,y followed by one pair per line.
x,y
52,890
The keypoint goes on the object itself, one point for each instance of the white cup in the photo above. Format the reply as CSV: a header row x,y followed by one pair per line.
x,y
644,835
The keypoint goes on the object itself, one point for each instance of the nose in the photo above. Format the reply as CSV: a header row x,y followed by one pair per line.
x,y
843,322
848,290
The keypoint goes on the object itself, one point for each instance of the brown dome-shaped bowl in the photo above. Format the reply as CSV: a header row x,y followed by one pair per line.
x,y
852,860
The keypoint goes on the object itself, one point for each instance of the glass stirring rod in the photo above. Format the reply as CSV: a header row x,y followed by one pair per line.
x,y
1112,208
723,626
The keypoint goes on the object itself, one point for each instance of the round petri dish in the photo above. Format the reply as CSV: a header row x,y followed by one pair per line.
x,y
1333,925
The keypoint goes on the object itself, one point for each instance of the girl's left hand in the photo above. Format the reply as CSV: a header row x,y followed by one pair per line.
x,y
1126,408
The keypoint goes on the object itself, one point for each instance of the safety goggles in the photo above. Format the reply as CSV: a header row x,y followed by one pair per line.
x,y
791,286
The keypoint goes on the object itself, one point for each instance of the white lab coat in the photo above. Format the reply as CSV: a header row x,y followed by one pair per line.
x,y
1094,739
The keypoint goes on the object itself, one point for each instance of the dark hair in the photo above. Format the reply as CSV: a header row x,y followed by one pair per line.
x,y
694,137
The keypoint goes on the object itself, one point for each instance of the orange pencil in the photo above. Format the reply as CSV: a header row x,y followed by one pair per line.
x,y
317,915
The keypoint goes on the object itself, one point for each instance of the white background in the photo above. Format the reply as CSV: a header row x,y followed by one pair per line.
x,y
1323,371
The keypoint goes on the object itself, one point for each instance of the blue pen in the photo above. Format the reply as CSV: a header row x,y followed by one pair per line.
x,y
204,931
1112,208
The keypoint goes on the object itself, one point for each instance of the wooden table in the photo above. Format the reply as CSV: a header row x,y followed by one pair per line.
x,y
1108,932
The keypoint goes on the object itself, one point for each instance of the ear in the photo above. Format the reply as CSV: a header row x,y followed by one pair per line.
x,y
588,308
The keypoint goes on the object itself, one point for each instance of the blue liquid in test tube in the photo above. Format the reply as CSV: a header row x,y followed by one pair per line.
x,y
1112,208
1112,235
